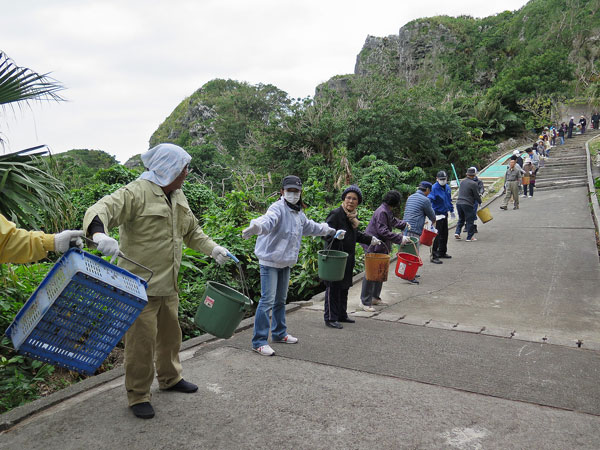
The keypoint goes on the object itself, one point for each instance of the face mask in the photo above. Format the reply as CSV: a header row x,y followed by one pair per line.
x,y
292,197
442,182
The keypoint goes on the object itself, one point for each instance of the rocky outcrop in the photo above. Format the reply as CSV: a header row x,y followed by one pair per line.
x,y
413,55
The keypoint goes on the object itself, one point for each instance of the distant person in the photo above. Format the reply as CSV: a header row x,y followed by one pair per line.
x,y
381,226
468,195
583,123
481,190
21,246
570,127
512,179
529,171
417,209
553,136
561,133
344,218
517,156
441,202
595,120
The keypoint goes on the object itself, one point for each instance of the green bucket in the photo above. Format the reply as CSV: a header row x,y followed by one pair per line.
x,y
332,264
410,248
221,310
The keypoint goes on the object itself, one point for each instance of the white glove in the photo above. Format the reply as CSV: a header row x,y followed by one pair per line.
x,y
219,254
452,215
107,245
407,226
375,241
253,229
62,240
406,240
340,234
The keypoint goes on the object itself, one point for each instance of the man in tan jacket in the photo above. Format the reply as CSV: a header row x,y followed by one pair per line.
x,y
154,222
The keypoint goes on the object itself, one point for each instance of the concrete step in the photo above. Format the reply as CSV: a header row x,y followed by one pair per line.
x,y
561,186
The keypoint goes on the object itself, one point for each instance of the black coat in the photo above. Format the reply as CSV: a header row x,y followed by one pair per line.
x,y
337,219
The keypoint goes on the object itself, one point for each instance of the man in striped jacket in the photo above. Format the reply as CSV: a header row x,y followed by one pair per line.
x,y
417,208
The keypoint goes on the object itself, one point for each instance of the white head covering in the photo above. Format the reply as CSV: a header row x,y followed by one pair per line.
x,y
164,163
527,160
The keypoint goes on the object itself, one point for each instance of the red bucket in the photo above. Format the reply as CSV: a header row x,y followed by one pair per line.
x,y
427,237
407,266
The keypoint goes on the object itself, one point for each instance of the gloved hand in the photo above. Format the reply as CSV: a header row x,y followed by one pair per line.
x,y
375,241
406,240
253,229
62,240
340,234
452,215
219,254
107,245
407,228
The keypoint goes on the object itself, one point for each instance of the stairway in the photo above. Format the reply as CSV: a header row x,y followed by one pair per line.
x,y
566,167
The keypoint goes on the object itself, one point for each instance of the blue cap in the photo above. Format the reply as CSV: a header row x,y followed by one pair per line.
x,y
424,185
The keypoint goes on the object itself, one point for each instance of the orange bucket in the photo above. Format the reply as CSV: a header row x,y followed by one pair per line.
x,y
407,266
427,237
377,266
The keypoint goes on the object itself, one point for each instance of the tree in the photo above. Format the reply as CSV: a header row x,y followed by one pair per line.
x,y
28,195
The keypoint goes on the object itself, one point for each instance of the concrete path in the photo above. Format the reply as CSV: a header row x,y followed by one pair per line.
x,y
482,354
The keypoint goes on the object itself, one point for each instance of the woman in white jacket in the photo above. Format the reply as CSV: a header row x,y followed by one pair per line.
x,y
279,232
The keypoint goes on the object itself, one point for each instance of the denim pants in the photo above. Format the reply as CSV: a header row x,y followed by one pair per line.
x,y
466,215
274,284
369,291
562,140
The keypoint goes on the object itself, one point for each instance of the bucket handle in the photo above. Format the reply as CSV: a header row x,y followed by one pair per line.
x,y
384,244
333,238
121,255
245,290
414,245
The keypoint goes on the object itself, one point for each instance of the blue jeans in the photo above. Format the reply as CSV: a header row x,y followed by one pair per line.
x,y
274,284
562,140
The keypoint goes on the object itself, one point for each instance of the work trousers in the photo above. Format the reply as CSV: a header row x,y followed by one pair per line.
x,y
369,291
466,216
440,243
336,303
512,190
154,340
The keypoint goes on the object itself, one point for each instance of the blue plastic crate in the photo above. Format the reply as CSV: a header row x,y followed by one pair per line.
x,y
79,312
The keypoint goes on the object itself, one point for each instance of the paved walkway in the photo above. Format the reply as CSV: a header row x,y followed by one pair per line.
x,y
405,377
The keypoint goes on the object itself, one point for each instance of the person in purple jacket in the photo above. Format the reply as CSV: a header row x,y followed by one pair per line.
x,y
381,226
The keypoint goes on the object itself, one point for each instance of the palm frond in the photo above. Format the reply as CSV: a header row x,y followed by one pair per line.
x,y
19,84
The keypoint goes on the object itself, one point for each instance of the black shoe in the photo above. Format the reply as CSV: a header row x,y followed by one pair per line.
x,y
414,281
436,261
143,410
183,386
334,324
347,320
504,208
445,256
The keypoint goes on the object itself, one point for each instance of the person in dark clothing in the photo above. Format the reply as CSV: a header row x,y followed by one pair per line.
x,y
441,202
481,190
595,120
561,133
468,194
381,226
583,123
344,218
571,125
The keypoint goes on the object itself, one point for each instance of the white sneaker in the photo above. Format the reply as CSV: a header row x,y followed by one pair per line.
x,y
288,339
378,301
367,308
265,350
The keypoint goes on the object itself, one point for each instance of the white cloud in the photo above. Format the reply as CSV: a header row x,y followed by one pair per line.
x,y
127,64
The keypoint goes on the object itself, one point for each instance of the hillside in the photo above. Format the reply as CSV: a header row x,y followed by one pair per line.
x,y
444,90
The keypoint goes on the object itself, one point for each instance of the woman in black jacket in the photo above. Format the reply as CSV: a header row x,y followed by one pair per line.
x,y
344,218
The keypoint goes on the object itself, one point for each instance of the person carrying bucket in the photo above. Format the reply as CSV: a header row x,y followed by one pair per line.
x,y
344,218
468,195
381,226
418,208
280,233
441,202
154,222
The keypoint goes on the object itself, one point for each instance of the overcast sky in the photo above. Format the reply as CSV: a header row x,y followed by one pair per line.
x,y
127,64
